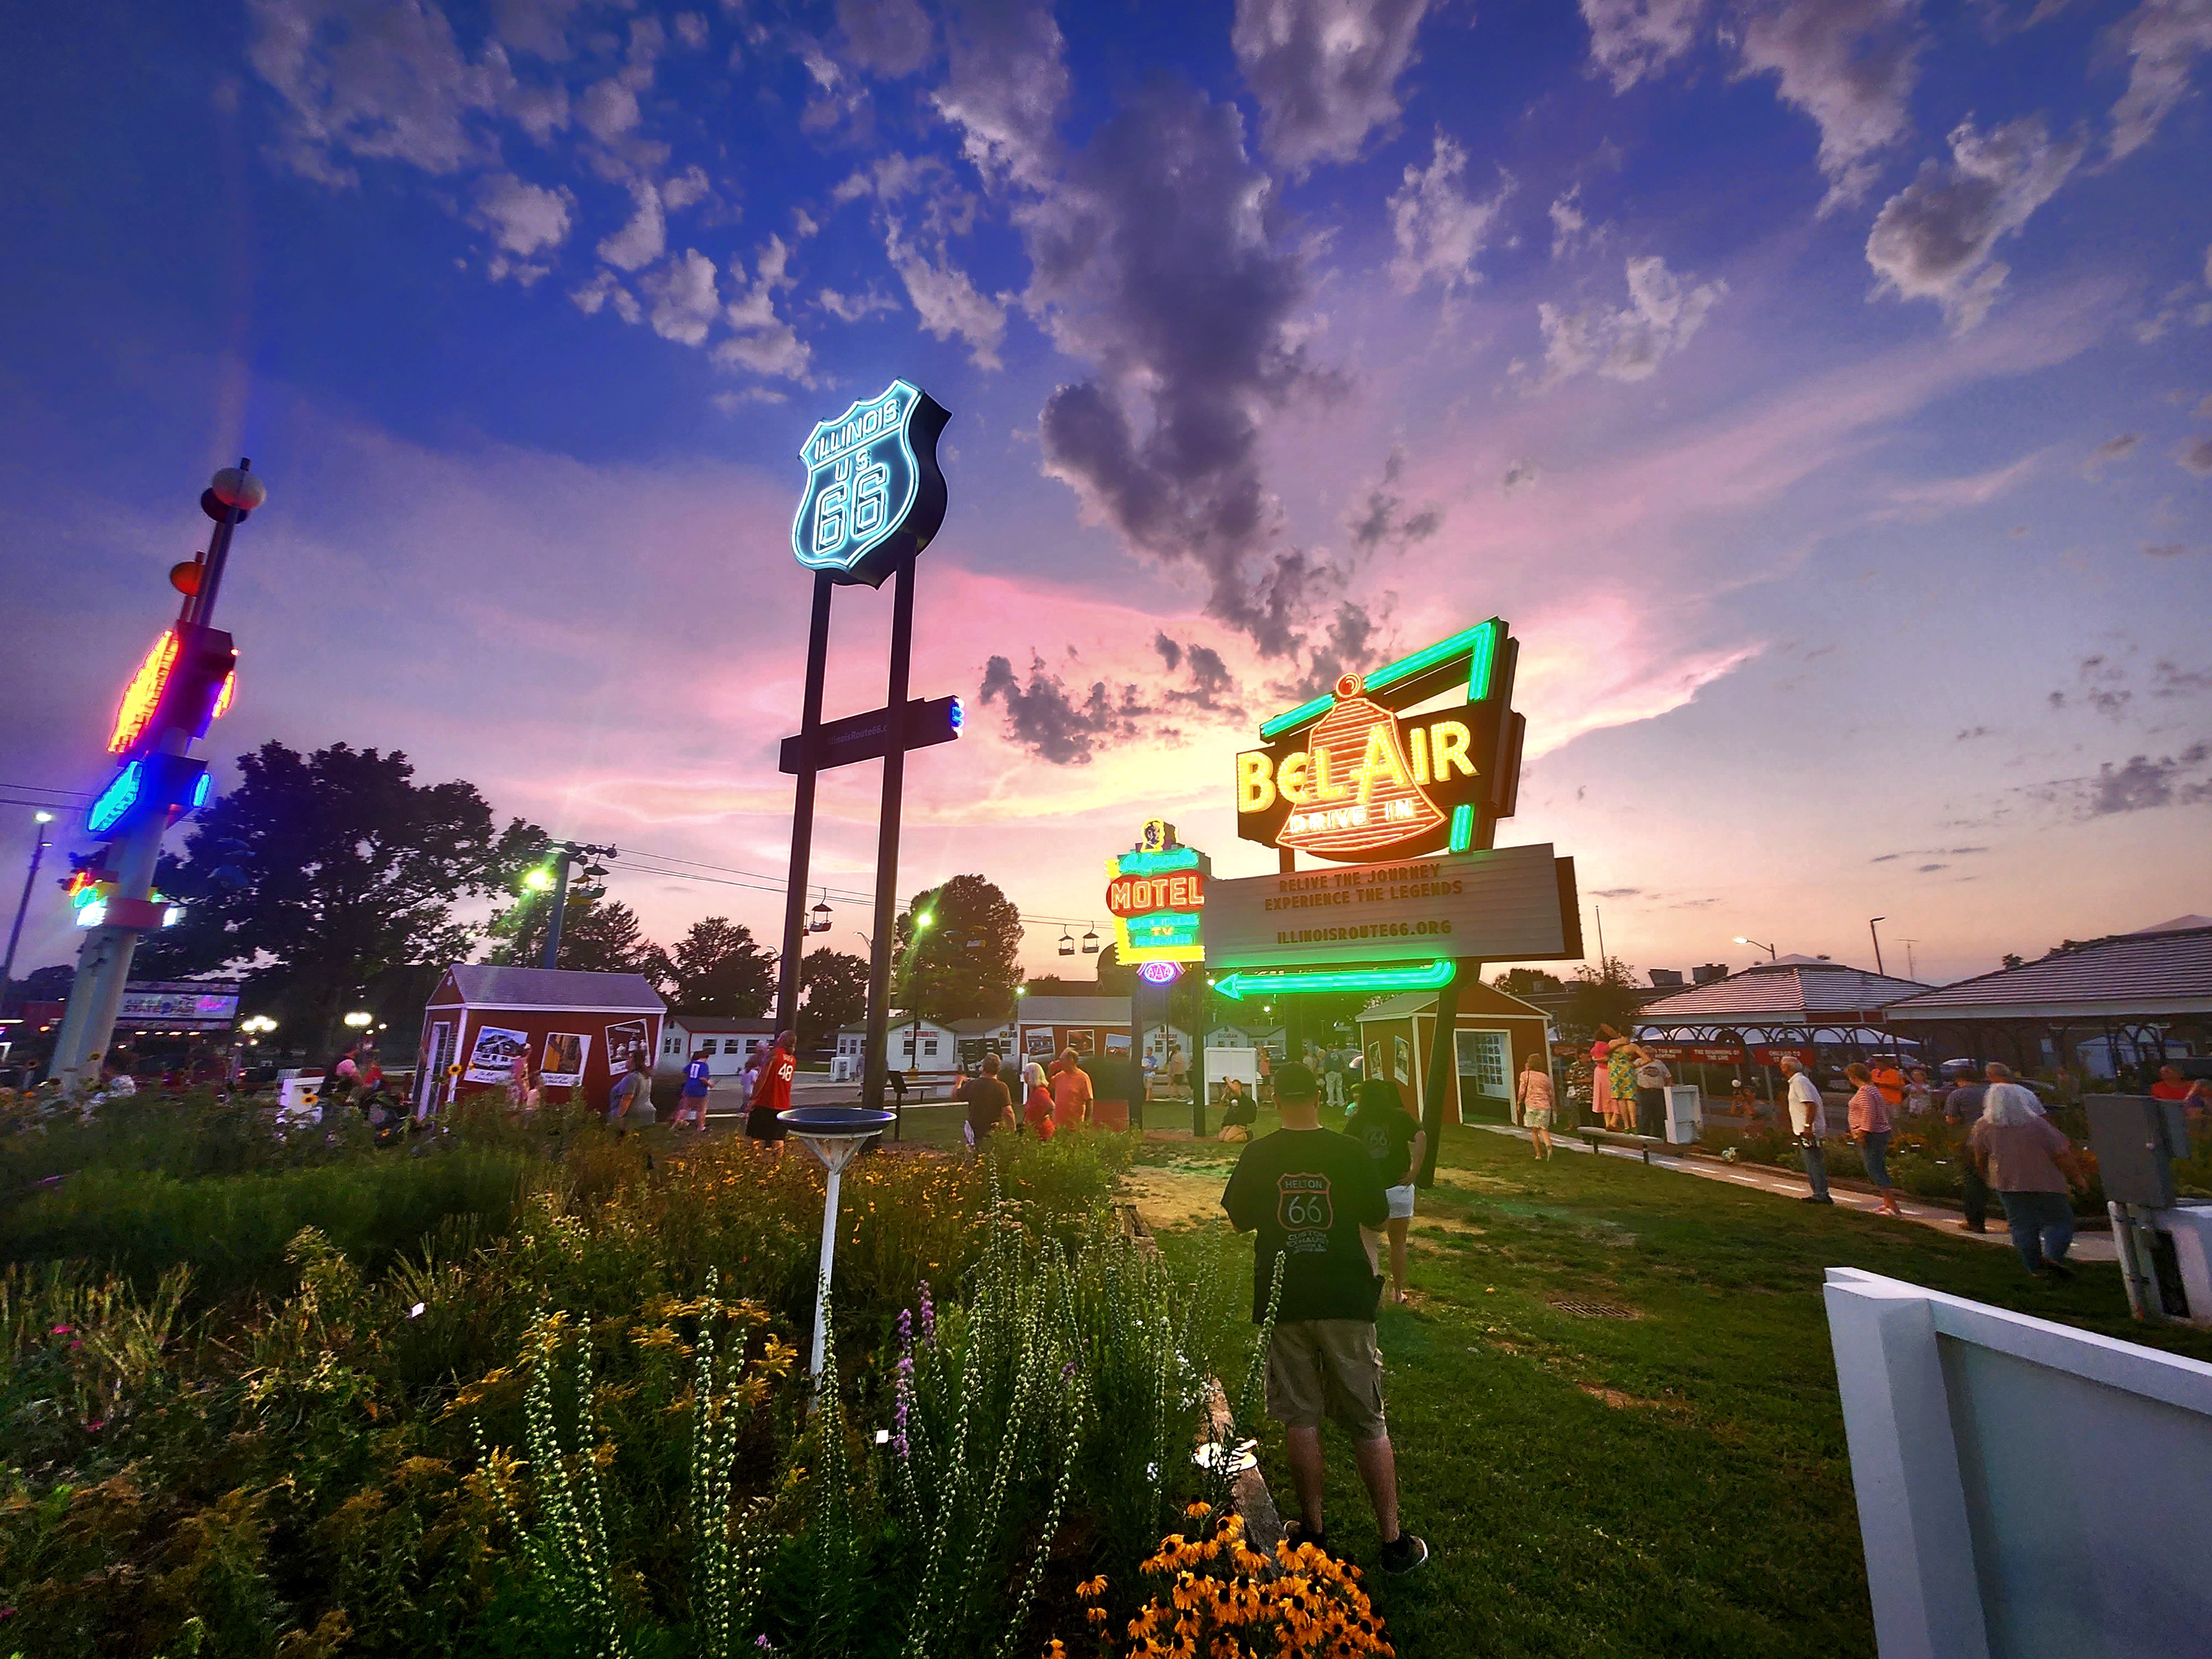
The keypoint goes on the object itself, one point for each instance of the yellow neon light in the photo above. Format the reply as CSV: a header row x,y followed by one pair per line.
x,y
140,696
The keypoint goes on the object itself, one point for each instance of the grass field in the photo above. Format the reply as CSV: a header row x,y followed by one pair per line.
x,y
1670,1483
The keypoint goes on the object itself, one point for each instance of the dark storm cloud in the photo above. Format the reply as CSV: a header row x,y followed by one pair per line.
x,y
2144,783
1156,259
1347,646
1052,723
1382,521
1170,653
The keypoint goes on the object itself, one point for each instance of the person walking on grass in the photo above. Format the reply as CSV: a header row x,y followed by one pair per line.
x,y
988,1104
2030,1165
698,1079
772,1094
1963,1107
1396,1144
630,1106
1808,1122
1307,1192
1534,1094
1036,1101
1071,1093
1871,1126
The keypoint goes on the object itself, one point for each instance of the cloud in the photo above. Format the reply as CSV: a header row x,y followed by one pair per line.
x,y
1850,64
1325,71
2165,39
1969,733
645,238
1439,230
1976,490
605,289
1520,475
1007,83
2143,783
1633,38
1661,318
2175,682
608,109
2197,457
684,302
1044,718
763,342
890,38
1932,240
2113,449
852,307
523,218
2160,550
1156,260
687,187
1382,520
947,300
1617,892
1568,222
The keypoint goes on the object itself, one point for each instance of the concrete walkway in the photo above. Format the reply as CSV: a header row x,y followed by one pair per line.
x,y
2087,1247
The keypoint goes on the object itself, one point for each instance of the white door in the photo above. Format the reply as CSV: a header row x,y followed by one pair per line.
x,y
1485,1064
433,1074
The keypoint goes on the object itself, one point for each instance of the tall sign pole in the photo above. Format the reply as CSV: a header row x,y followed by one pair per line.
x,y
184,682
887,845
802,811
874,499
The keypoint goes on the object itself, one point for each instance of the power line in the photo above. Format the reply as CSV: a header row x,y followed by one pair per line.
x,y
770,885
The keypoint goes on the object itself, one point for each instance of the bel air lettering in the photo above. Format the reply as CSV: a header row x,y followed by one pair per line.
x,y
874,497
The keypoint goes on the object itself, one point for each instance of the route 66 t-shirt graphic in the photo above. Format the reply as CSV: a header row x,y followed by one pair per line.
x,y
1308,1192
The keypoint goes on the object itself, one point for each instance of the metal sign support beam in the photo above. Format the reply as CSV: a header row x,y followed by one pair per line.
x,y
887,844
802,811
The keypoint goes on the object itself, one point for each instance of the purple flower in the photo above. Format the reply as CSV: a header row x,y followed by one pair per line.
x,y
1067,1371
928,1316
58,1330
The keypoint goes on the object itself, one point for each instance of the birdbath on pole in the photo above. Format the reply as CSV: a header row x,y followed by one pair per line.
x,y
832,1133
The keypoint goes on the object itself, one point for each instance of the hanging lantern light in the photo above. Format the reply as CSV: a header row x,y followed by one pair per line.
x,y
1091,943
1066,942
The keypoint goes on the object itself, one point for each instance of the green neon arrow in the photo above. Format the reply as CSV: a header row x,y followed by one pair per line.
x,y
1402,976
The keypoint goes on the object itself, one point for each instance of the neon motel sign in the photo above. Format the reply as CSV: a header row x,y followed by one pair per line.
x,y
1368,772
1156,893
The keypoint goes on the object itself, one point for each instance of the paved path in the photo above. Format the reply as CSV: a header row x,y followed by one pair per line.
x,y
2088,1247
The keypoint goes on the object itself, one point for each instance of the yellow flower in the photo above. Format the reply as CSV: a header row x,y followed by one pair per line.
x,y
1091,1587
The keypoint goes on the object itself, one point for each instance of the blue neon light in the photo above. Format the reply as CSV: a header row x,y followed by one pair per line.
x,y
200,790
863,477
958,714
121,793
1155,864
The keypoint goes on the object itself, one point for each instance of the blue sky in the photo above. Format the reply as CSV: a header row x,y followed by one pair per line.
x,y
1823,388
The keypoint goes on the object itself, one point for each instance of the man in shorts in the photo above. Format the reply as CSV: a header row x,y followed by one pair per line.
x,y
1308,1191
771,1095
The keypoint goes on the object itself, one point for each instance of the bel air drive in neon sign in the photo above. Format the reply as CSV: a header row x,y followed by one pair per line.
x,y
874,497
1354,776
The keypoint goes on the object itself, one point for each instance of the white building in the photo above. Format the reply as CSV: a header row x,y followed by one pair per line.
x,y
726,1042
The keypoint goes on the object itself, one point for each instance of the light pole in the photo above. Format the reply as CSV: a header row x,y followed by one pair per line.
x,y
15,933
1873,934
555,877
1769,949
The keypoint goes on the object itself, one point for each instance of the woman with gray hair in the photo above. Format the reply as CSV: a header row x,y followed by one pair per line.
x,y
2029,1165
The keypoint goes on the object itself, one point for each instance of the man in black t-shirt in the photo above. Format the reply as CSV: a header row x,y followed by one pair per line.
x,y
988,1102
1308,1191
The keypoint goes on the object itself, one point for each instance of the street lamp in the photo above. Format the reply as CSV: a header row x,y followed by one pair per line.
x,y
554,875
1769,949
537,880
1876,937
360,1021
38,845
257,1025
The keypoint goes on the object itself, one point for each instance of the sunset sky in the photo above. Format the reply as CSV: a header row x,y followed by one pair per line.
x,y
1822,389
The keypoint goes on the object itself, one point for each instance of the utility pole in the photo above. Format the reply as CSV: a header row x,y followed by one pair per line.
x,y
555,877
182,685
15,933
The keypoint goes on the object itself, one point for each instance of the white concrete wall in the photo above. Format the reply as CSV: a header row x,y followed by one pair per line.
x,y
2026,1491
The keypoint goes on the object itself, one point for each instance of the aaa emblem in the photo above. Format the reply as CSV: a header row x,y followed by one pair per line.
x,y
874,497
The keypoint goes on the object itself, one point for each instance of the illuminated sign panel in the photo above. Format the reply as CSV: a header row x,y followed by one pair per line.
x,y
1156,893
151,786
184,683
1513,904
874,497
1354,776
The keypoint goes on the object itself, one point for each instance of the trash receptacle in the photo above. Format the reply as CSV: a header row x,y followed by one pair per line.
x,y
1685,1114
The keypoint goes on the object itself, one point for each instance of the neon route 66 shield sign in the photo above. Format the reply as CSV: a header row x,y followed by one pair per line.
x,y
874,497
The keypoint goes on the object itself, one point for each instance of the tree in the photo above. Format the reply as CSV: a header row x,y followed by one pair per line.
x,y
1519,981
321,871
597,937
833,993
1604,996
1115,978
963,963
719,969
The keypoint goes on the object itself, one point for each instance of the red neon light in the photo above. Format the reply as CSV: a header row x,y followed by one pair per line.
x,y
1355,791
1140,896
140,696
223,697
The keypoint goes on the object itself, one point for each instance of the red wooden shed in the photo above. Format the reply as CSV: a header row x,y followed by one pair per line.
x,y
577,1029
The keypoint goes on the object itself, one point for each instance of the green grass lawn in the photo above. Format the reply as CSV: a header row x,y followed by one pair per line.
x,y
1672,1484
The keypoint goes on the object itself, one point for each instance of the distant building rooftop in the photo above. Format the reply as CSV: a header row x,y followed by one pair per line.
x,y
2163,969
1801,991
483,985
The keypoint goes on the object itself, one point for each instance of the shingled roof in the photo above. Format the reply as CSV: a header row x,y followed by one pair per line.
x,y
2160,971
1794,991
